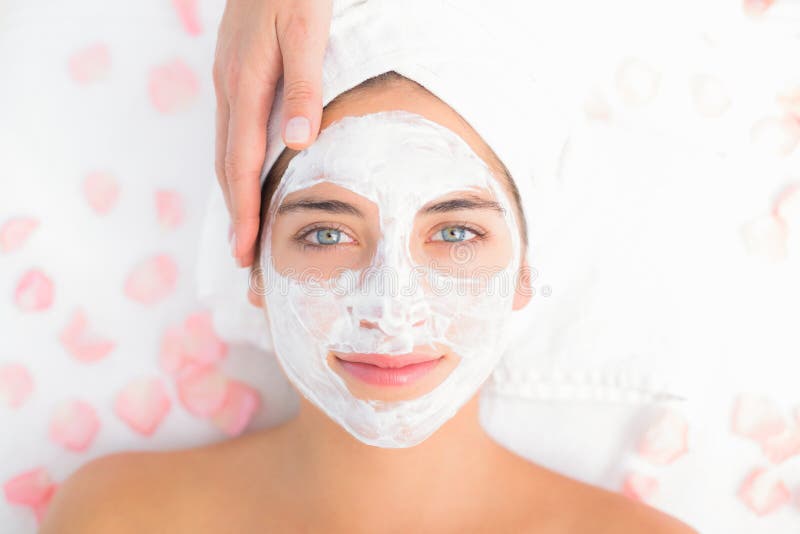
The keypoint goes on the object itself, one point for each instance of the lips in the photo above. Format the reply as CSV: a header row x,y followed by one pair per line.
x,y
385,370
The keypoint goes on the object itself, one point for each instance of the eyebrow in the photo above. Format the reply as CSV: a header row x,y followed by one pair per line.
x,y
463,203
329,206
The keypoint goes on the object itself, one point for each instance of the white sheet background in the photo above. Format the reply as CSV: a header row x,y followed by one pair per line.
x,y
106,147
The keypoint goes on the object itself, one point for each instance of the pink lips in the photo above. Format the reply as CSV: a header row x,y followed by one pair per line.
x,y
384,370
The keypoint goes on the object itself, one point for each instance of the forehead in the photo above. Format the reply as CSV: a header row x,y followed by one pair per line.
x,y
400,93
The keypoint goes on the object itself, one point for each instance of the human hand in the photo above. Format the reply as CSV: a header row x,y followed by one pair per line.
x,y
257,42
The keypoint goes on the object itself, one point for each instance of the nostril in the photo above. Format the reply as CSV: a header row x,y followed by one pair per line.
x,y
367,324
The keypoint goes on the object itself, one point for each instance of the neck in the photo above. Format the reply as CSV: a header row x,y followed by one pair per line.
x,y
459,457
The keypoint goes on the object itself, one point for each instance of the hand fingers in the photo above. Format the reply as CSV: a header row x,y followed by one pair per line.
x,y
221,144
245,150
303,35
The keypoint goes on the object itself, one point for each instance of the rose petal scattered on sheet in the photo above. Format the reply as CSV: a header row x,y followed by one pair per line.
x,y
195,343
637,81
152,280
74,425
596,106
241,403
81,343
763,492
666,439
201,343
187,11
756,417
765,237
202,390
639,487
709,95
90,64
756,8
787,207
29,488
173,86
169,208
101,190
789,100
34,291
15,232
16,384
779,447
142,405
776,136
171,356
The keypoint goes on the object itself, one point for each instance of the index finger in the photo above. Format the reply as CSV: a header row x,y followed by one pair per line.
x,y
247,132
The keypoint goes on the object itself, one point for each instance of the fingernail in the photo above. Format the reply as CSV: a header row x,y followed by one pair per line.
x,y
297,130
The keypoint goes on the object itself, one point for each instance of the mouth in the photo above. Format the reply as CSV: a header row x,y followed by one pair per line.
x,y
386,370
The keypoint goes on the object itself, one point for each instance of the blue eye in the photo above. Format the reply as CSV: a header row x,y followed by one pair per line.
x,y
454,234
326,236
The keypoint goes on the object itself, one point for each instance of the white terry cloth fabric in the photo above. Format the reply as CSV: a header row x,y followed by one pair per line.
x,y
619,313
446,46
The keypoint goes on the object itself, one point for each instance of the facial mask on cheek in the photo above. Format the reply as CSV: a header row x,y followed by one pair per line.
x,y
401,162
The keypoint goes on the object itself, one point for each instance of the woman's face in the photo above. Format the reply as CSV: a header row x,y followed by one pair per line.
x,y
324,228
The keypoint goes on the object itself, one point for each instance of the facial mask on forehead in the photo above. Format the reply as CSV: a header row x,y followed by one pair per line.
x,y
400,161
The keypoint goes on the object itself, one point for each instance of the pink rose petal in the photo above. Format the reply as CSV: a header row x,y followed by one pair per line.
x,y
710,97
637,82
790,101
152,280
74,425
766,237
779,447
143,404
241,402
15,232
776,136
596,106
101,190
16,384
81,343
787,207
639,487
193,344
202,390
171,356
763,492
187,11
201,343
666,439
169,208
34,291
756,8
173,86
90,64
756,417
29,488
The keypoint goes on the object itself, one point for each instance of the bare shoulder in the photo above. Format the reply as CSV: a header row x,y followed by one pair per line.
x,y
118,493
564,505
620,514
196,490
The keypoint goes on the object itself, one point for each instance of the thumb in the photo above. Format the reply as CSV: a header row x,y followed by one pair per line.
x,y
302,38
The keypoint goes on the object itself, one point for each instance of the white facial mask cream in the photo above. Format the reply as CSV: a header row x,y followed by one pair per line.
x,y
400,161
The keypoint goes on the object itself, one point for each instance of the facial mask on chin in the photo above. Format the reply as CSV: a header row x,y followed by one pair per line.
x,y
400,161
